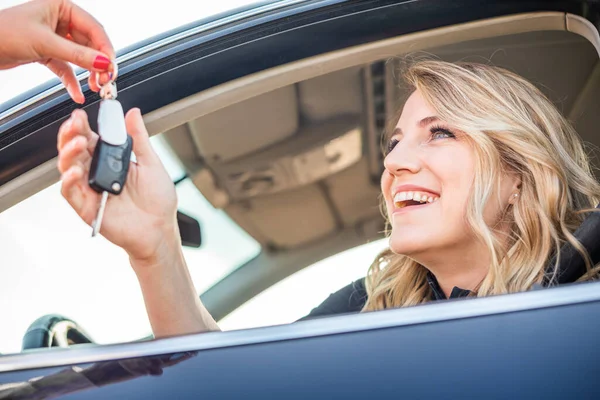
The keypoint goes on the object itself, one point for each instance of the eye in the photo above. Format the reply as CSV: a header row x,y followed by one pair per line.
x,y
437,132
390,146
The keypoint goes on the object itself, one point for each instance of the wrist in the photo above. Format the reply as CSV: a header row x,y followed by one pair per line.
x,y
167,252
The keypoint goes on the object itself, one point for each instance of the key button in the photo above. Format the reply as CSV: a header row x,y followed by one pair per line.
x,y
115,164
117,154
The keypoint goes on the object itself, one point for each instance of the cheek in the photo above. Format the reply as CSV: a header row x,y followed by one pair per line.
x,y
455,170
386,186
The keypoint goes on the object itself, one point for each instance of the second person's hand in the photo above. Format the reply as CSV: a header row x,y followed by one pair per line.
x,y
55,33
142,219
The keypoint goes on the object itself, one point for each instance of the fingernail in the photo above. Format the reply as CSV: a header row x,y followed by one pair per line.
x,y
101,63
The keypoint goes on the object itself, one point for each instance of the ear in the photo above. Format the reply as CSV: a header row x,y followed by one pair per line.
x,y
515,192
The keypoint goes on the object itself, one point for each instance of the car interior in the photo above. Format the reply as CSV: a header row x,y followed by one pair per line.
x,y
298,166
293,155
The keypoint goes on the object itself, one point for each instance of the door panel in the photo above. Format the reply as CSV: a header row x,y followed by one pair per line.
x,y
543,353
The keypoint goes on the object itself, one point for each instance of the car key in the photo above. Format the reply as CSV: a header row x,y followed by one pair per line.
x,y
110,162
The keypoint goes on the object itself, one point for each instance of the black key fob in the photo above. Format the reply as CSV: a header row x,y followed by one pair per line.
x,y
110,166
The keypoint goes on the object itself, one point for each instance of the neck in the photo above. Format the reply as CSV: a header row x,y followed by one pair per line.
x,y
464,268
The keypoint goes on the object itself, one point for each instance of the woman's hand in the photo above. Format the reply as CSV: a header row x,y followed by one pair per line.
x,y
55,33
143,218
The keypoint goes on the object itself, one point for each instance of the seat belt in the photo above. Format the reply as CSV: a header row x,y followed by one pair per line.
x,y
572,264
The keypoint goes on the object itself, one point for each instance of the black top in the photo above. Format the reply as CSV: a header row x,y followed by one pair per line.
x,y
352,298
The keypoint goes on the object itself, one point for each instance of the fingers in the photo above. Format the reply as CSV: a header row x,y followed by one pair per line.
x,y
77,125
55,46
65,73
142,148
74,191
93,81
74,153
80,27
96,79
70,188
83,25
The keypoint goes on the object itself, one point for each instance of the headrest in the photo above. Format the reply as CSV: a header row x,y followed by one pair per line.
x,y
571,265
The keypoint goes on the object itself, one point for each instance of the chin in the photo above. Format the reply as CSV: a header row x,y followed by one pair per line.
x,y
409,244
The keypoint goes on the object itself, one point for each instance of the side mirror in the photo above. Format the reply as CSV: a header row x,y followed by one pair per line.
x,y
189,229
54,330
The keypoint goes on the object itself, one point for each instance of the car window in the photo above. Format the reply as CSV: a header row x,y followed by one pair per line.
x,y
52,265
294,297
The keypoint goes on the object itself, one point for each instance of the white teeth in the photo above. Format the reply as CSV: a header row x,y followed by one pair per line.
x,y
416,196
399,197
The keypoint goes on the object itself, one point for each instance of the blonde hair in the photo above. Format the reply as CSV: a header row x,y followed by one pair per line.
x,y
514,127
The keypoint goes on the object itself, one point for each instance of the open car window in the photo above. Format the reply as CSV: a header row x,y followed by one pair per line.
x,y
294,297
51,265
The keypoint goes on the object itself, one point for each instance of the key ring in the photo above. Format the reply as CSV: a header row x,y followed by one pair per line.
x,y
109,90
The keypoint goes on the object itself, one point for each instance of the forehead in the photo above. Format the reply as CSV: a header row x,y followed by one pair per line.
x,y
415,110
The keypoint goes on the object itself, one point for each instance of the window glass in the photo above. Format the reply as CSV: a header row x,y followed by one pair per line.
x,y
52,265
295,296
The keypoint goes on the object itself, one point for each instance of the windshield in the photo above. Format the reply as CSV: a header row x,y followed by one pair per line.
x,y
124,30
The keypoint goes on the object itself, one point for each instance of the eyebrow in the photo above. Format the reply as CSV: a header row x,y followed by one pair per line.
x,y
421,124
428,120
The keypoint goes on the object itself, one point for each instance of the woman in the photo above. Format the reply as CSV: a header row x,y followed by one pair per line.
x,y
483,182
55,33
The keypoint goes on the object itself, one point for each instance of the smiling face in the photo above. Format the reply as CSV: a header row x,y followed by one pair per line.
x,y
429,172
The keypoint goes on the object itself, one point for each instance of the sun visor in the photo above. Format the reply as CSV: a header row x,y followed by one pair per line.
x,y
314,153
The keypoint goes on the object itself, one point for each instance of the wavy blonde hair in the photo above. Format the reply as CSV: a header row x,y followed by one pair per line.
x,y
513,127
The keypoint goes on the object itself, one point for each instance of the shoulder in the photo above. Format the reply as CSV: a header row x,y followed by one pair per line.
x,y
349,299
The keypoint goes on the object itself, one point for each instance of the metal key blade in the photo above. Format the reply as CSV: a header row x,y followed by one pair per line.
x,y
98,221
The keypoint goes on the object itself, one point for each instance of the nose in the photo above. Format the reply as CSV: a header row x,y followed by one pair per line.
x,y
403,158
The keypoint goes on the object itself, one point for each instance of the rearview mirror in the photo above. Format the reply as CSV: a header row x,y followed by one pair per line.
x,y
189,229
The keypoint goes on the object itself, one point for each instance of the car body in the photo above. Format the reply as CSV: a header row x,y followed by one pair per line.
x,y
311,83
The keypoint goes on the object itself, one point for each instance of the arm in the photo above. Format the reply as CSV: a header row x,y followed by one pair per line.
x,y
173,306
142,220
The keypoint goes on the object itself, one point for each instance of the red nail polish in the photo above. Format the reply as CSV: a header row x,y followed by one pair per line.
x,y
101,63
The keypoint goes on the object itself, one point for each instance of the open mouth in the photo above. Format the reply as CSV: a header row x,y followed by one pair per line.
x,y
411,199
